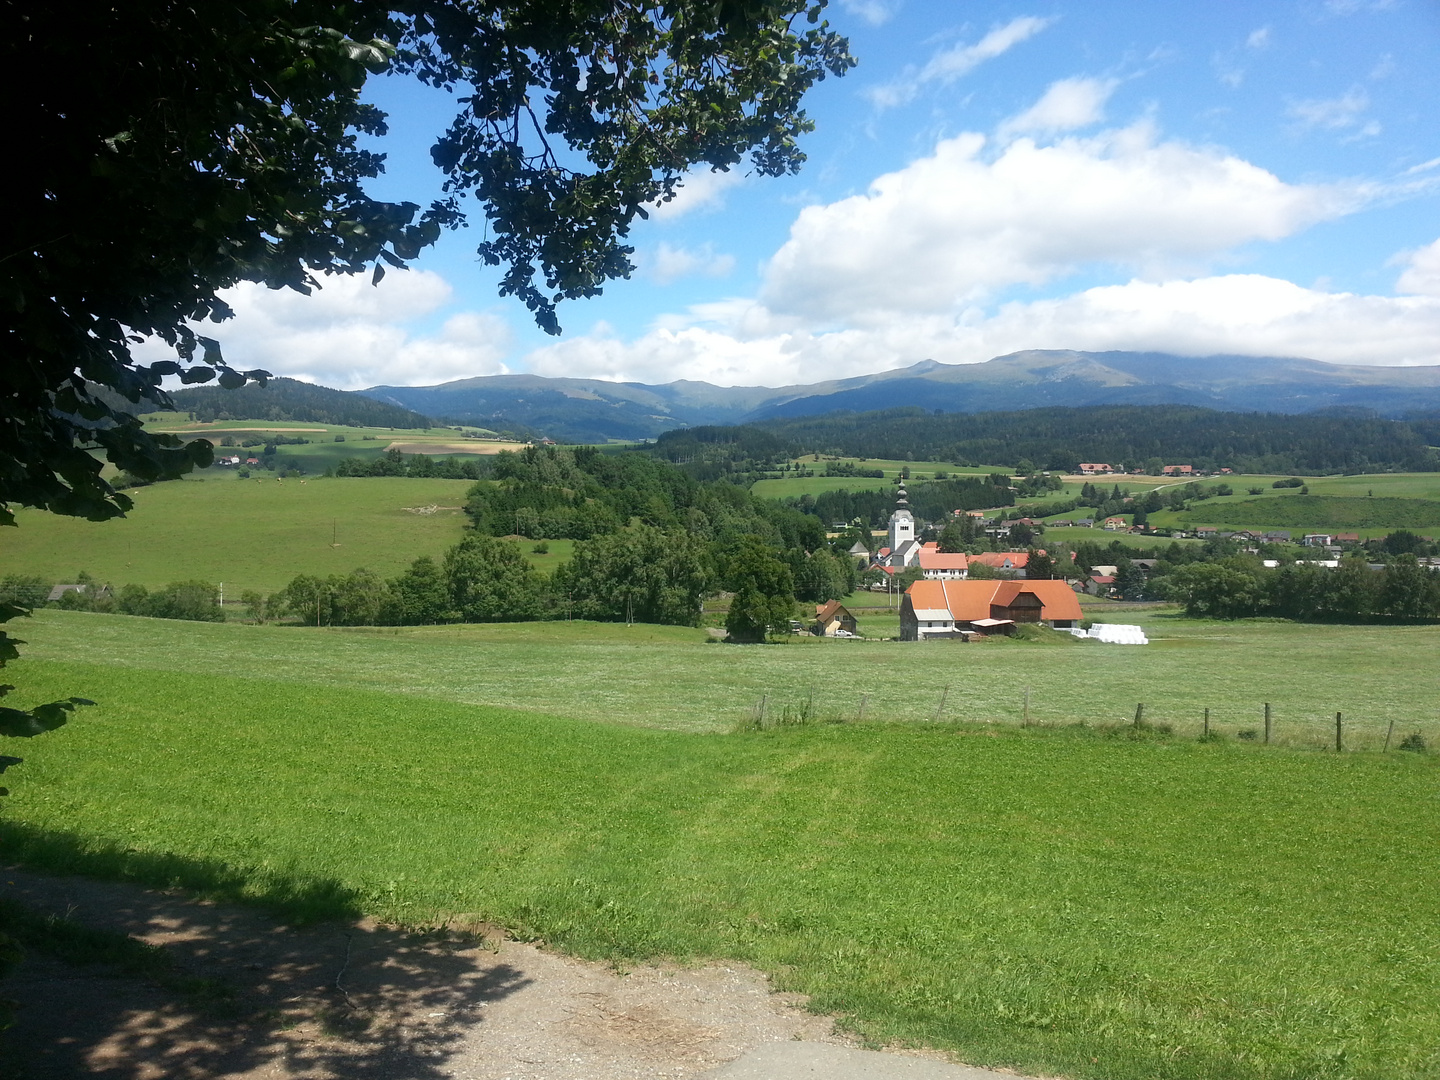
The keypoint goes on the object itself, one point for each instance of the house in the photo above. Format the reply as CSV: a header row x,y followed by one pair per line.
x,y
860,553
1100,584
1178,470
956,609
833,620
1094,469
1085,523
943,565
1207,532
1003,560
1105,571
1317,539
99,592
1062,523
1115,524
252,461
1347,538
1278,536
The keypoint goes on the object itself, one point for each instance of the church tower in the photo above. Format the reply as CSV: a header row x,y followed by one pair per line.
x,y
902,526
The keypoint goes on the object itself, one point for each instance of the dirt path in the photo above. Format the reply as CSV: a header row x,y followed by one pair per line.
x,y
365,1003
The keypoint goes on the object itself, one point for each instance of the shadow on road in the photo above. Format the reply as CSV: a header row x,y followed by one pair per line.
x,y
244,995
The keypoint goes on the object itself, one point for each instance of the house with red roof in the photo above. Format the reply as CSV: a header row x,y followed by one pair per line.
x,y
957,609
1003,560
943,565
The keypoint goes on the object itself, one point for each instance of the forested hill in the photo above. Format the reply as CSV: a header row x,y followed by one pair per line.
x,y
1136,436
290,399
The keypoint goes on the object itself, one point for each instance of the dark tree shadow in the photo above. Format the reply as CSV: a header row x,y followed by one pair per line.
x,y
244,992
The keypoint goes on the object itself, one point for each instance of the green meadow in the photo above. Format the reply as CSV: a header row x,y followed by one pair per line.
x,y
250,534
1063,900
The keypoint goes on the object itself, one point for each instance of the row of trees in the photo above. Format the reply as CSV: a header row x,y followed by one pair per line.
x,y
1242,586
639,574
197,601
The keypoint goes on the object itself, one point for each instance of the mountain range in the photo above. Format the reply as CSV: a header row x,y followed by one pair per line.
x,y
592,410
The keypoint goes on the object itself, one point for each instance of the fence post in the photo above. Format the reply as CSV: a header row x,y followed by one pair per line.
x,y
763,699
1339,741
1205,731
1267,723
1026,721
943,695
861,715
1388,733
1139,713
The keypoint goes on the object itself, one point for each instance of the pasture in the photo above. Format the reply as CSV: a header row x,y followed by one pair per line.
x,y
250,534
1061,900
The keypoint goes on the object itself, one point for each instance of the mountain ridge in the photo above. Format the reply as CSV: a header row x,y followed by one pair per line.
x,y
594,410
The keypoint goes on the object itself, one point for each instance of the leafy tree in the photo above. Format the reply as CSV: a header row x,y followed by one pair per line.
x,y
490,581
1216,590
1130,580
641,575
1040,565
421,595
953,537
750,616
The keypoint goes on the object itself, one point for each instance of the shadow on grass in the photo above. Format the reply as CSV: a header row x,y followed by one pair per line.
x,y
122,981
297,900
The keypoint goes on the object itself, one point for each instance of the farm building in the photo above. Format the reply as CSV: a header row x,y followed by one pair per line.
x,y
833,620
1094,469
959,609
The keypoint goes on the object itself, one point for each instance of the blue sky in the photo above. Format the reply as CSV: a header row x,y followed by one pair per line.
x,y
1226,177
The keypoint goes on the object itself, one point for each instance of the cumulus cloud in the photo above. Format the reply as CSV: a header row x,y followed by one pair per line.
x,y
667,264
348,334
957,227
1422,272
957,61
1067,104
699,192
1237,313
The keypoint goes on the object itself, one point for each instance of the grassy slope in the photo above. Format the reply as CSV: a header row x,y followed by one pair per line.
x,y
1054,901
670,677
254,534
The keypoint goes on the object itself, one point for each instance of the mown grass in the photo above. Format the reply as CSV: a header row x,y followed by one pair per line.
x,y
255,534
674,677
1055,900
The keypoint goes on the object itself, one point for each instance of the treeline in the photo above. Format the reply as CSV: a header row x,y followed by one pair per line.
x,y
932,500
1135,437
1242,586
290,399
197,601
638,574
423,466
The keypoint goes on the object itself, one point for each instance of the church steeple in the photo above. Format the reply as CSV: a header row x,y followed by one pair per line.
x,y
902,528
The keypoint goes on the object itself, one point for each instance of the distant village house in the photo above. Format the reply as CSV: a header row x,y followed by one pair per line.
x,y
960,610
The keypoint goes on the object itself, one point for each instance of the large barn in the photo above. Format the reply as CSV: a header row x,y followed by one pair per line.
x,y
952,609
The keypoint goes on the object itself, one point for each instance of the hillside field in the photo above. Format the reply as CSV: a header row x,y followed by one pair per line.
x,y
1058,900
250,534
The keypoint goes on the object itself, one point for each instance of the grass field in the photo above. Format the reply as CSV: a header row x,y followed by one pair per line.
x,y
255,534
1055,900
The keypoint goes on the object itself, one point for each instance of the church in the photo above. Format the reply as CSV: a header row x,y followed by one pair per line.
x,y
903,549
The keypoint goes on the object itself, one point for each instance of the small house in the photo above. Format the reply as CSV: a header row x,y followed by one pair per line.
x,y
833,620
954,609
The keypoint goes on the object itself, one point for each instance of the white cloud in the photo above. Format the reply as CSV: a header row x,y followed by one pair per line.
x,y
951,64
1236,314
875,12
956,227
349,334
699,192
1333,114
1258,39
666,263
1422,272
1067,104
